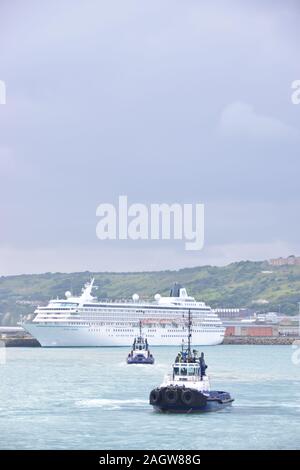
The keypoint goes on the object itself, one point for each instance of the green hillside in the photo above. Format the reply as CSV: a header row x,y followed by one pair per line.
x,y
235,285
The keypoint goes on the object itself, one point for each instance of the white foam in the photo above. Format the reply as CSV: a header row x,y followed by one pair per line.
x,y
110,403
266,405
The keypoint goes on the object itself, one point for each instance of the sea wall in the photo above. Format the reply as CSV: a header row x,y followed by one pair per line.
x,y
21,342
271,340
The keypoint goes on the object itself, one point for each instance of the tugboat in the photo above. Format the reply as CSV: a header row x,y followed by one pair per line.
x,y
140,352
187,389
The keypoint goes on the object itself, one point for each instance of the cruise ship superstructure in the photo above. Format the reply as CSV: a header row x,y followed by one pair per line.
x,y
84,321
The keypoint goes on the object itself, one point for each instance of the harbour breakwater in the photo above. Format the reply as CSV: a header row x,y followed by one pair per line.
x,y
262,340
21,342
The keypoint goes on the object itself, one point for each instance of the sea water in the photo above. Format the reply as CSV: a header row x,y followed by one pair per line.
x,y
91,399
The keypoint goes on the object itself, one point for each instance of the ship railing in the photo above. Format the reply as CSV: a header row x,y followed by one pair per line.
x,y
124,301
187,365
181,378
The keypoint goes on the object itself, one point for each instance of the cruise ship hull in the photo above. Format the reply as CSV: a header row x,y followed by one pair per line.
x,y
71,336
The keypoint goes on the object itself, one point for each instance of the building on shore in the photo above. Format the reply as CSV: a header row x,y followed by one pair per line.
x,y
287,326
291,260
251,330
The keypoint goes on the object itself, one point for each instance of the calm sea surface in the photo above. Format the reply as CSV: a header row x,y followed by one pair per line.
x,y
90,399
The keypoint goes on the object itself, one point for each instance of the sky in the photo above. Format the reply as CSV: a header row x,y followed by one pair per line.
x,y
164,101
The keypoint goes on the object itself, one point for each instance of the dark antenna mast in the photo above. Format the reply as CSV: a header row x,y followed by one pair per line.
x,y
189,334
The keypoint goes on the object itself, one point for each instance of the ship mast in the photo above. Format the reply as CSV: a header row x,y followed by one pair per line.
x,y
189,335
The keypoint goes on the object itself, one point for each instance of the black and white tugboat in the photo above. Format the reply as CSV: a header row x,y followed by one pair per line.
x,y
187,389
140,352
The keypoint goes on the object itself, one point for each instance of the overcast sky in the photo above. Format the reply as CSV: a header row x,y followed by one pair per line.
x,y
161,100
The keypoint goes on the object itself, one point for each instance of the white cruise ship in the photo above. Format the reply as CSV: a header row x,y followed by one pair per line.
x,y
84,321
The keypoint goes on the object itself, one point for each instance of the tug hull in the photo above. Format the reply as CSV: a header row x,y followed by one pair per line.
x,y
210,406
174,400
140,359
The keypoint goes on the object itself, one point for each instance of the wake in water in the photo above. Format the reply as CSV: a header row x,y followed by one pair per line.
x,y
111,404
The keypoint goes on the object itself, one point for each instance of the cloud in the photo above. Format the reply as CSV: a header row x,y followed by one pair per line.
x,y
154,256
7,161
240,119
109,98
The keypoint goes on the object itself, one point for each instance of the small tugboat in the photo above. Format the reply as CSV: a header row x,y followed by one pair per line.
x,y
140,353
187,389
